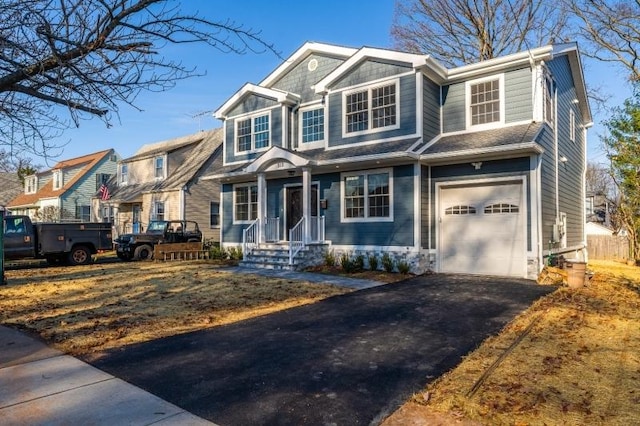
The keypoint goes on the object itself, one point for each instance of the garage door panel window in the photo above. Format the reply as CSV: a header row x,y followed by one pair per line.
x,y
501,208
367,197
460,210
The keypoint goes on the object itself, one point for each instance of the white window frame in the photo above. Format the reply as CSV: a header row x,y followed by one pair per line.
x,y
366,217
253,116
233,202
31,184
572,125
124,174
368,88
315,144
56,177
493,124
164,167
154,212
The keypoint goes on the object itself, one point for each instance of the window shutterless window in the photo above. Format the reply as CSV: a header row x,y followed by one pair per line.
x,y
367,196
159,167
31,185
158,210
124,173
245,203
252,133
57,179
313,125
83,213
214,214
485,102
371,108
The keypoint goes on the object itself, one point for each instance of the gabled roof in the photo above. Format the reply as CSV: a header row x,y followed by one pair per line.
x,y
206,145
280,96
88,162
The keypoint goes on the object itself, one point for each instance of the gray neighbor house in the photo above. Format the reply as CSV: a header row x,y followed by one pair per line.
x,y
476,169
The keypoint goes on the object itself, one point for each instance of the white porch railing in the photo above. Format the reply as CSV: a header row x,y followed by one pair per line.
x,y
296,240
272,229
317,228
250,238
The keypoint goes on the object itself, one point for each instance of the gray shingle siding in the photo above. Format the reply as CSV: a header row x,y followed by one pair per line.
x,y
300,80
518,100
407,110
369,71
252,103
430,109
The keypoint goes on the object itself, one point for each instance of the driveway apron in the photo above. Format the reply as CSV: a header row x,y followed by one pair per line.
x,y
347,360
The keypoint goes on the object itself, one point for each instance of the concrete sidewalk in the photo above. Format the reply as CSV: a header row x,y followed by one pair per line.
x,y
42,386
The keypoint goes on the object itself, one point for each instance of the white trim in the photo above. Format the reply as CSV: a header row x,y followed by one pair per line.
x,y
303,146
368,88
233,202
521,179
476,130
252,117
572,125
417,197
419,104
224,144
537,101
276,153
535,189
525,146
286,202
467,105
279,96
372,142
366,218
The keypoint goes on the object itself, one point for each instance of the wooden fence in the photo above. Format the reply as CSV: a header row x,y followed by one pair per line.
x,y
608,247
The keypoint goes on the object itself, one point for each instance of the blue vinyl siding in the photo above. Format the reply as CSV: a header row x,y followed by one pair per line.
x,y
517,87
407,117
431,109
463,171
548,189
300,80
453,108
275,140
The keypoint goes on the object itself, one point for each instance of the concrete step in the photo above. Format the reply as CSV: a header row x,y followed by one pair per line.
x,y
267,265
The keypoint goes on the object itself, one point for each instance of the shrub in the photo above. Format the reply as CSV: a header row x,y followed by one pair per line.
x,y
358,263
235,253
329,258
387,262
403,267
217,253
373,262
209,243
346,263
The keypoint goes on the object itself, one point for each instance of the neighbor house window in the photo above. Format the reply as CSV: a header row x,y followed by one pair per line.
x,y
124,174
245,203
102,179
107,213
214,214
313,125
83,213
31,184
158,210
371,108
572,125
252,133
57,179
159,167
485,102
367,196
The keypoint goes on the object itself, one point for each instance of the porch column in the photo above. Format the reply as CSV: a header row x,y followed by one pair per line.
x,y
306,202
262,206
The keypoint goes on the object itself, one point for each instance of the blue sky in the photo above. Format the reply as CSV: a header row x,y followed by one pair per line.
x,y
287,24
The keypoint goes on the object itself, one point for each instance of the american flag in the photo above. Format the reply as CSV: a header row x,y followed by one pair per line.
x,y
104,192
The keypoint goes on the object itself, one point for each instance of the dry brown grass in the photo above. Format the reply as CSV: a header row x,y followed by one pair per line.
x,y
578,365
87,309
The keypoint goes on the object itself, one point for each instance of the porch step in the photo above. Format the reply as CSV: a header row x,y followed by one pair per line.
x,y
276,256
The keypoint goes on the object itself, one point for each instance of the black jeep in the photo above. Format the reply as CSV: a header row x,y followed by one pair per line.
x,y
140,246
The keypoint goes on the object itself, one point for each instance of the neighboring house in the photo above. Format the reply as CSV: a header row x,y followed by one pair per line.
x,y
10,187
476,169
593,228
64,192
162,181
597,208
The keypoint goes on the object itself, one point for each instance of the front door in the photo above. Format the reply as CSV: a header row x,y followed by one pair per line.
x,y
294,205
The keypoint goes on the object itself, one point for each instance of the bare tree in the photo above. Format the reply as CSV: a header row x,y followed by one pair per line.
x,y
64,60
459,32
610,30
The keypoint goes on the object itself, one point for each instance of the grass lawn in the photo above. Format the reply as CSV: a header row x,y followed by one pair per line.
x,y
571,359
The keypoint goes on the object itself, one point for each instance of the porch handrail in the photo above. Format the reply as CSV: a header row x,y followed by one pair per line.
x,y
317,228
250,238
272,229
296,239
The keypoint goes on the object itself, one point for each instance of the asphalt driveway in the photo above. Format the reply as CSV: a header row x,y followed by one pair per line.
x,y
348,360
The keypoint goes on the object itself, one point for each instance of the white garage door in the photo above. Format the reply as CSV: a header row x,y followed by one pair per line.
x,y
482,229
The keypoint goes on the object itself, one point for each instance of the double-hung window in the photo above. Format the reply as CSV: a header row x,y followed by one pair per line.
x,y
367,196
57,179
158,210
372,108
312,126
158,165
214,214
30,184
253,133
485,100
124,174
245,203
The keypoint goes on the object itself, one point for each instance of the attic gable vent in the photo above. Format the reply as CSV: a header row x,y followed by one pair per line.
x,y
312,65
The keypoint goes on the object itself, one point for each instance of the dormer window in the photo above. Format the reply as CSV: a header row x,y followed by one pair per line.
x,y
124,174
485,100
159,167
57,179
371,109
253,133
31,184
